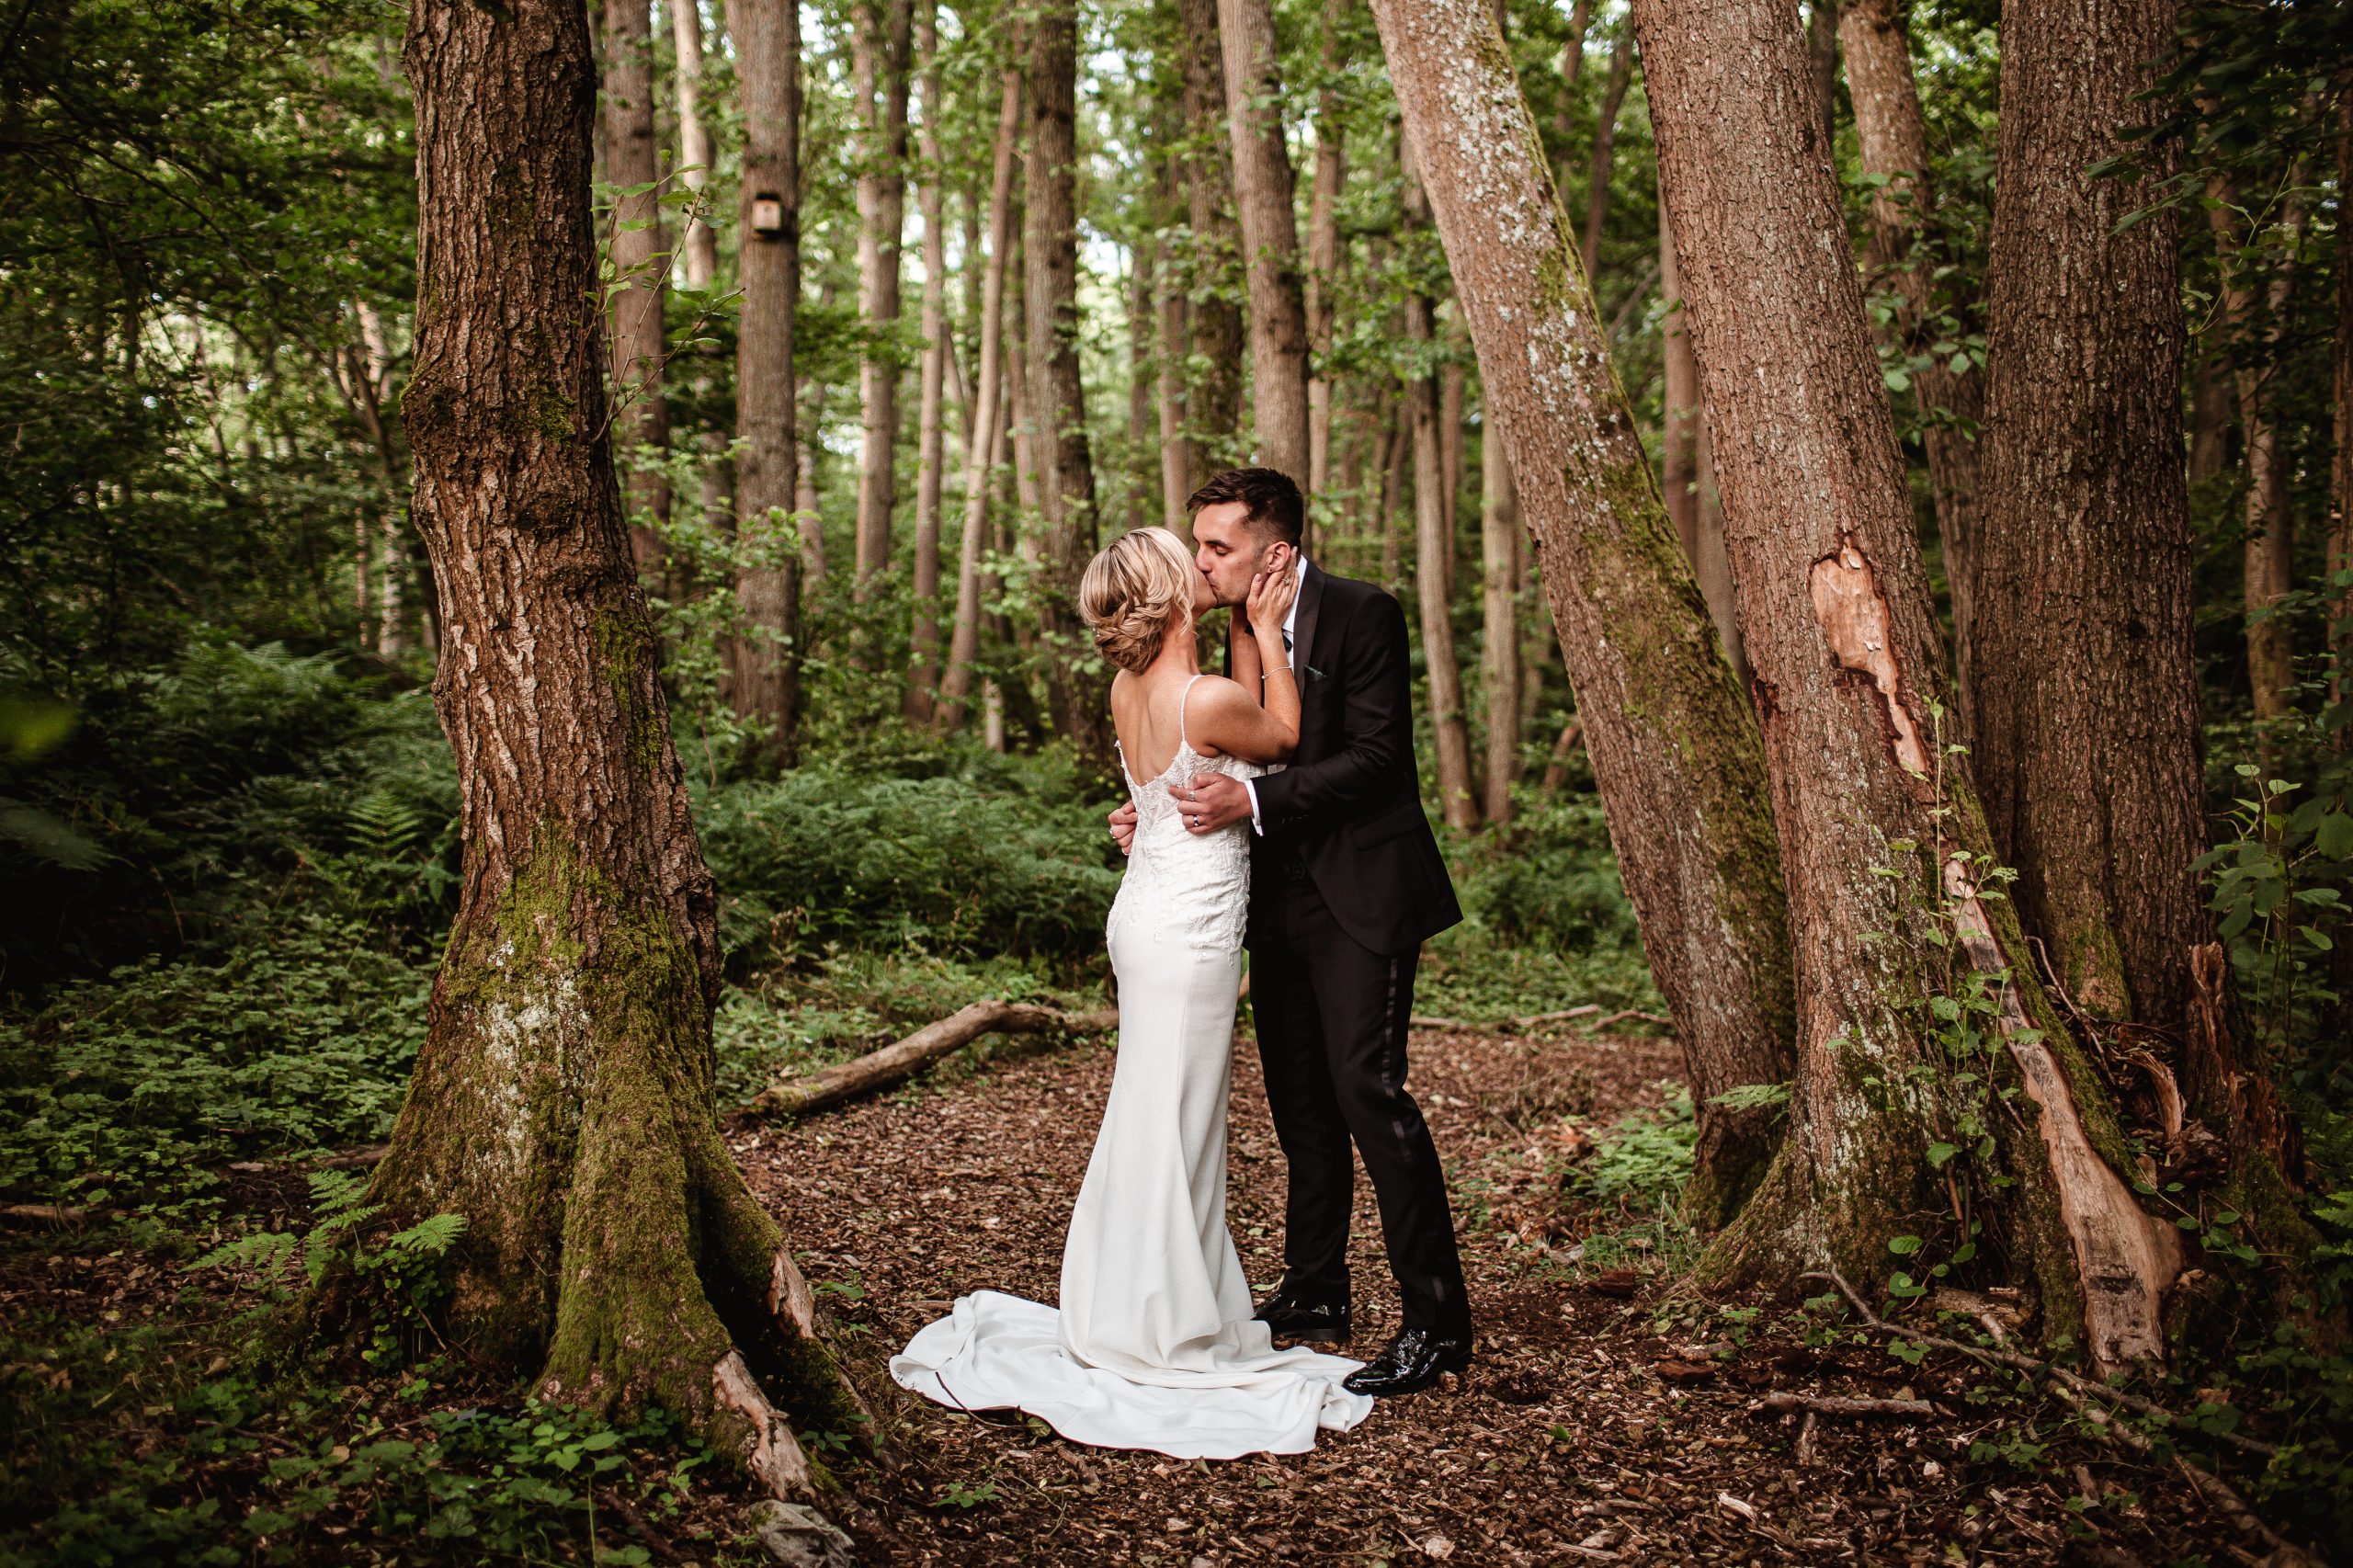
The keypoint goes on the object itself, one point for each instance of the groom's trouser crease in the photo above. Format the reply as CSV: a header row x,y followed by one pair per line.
x,y
1332,1018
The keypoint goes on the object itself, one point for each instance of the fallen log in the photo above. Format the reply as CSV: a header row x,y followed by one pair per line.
x,y
1841,1405
902,1060
1503,1026
45,1213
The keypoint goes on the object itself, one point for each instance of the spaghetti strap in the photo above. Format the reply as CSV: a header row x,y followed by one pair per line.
x,y
1182,698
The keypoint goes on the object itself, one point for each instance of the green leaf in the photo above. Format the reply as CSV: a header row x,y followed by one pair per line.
x,y
1904,1246
1940,1153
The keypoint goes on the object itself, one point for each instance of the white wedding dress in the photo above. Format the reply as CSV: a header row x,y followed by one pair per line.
x,y
1154,1346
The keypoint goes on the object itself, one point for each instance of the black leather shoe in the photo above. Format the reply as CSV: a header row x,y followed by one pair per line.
x,y
1296,1317
1414,1359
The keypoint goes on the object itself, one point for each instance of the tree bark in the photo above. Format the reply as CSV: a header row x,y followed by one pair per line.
x,y
701,249
881,38
1499,652
764,661
982,452
2340,537
1213,403
1905,252
1676,749
563,1105
700,256
1604,149
1065,466
640,271
1687,472
923,671
1822,58
1572,71
1263,193
1849,684
1143,464
1173,343
1433,543
2083,705
1323,269
2268,556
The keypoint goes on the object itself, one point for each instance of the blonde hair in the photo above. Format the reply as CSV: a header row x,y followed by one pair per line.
x,y
1130,594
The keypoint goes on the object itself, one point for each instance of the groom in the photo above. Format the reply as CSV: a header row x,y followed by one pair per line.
x,y
1345,884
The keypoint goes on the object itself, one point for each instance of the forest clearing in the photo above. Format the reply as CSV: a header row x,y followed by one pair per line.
x,y
573,574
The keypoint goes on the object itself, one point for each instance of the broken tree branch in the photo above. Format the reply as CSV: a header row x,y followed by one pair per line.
x,y
1505,1025
902,1060
1840,1404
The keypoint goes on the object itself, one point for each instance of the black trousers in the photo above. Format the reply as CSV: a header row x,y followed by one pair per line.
x,y
1332,1019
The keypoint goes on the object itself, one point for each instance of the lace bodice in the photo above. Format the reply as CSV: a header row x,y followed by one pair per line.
x,y
1186,887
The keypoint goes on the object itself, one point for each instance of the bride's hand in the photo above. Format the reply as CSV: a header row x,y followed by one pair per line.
x,y
1271,593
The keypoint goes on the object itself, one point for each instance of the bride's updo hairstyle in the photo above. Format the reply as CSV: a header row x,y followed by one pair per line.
x,y
1133,592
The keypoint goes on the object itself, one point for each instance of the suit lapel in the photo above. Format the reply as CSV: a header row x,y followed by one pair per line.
x,y
1302,633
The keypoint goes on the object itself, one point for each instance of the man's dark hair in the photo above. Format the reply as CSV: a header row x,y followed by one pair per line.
x,y
1273,500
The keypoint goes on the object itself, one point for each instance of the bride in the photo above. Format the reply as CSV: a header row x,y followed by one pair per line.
x,y
1154,1346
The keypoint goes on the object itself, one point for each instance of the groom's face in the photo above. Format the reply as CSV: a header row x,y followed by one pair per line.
x,y
1230,549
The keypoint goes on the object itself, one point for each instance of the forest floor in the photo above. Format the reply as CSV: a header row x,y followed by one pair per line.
x,y
1603,1420
1606,1417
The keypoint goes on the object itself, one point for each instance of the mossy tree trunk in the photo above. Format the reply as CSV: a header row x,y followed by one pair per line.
x,y
1674,747
562,1104
1883,846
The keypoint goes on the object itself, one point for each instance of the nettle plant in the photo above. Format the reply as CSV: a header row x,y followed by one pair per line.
x,y
400,1273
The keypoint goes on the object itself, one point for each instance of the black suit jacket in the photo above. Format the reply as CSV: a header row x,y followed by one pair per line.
x,y
1350,803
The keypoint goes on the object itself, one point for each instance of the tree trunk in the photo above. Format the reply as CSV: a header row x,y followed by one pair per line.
x,y
2268,556
882,36
2340,538
701,251
1499,652
1453,393
1323,269
563,1103
1571,70
1394,469
1172,344
1065,466
983,450
640,272
1687,477
1142,256
764,661
1675,749
1884,843
1263,193
1604,149
1458,798
701,248
1213,403
2083,703
1905,254
923,671
1822,58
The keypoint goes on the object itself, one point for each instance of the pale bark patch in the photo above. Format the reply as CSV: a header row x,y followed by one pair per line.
x,y
1854,616
2125,1257
770,1452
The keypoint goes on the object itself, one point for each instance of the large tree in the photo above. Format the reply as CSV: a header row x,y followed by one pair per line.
x,y
563,1103
1884,849
1213,395
2082,683
1262,196
764,662
1675,748
922,674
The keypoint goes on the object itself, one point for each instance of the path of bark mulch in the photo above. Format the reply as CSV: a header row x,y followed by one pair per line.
x,y
1579,1434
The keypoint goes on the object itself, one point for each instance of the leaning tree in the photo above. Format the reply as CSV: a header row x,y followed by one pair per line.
x,y
563,1105
1674,747
1923,1037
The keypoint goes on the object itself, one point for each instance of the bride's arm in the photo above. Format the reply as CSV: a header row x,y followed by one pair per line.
x,y
1265,728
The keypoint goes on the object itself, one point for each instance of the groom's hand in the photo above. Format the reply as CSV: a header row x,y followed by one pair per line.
x,y
1216,800
1124,826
